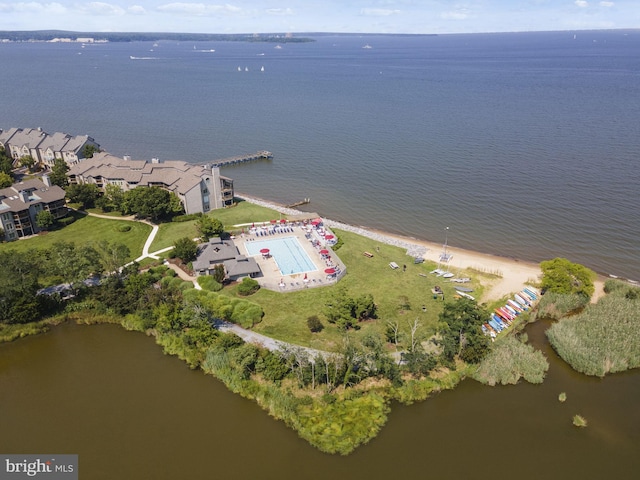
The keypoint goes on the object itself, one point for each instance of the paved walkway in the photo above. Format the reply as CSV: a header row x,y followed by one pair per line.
x,y
247,335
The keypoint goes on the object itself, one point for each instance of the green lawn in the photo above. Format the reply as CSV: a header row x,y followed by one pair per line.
x,y
286,313
242,212
88,229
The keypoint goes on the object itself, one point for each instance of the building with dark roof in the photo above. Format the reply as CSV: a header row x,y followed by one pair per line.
x,y
21,202
198,187
43,147
224,252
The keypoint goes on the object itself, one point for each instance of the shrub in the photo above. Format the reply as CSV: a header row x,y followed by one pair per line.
x,y
248,287
314,324
66,221
186,218
124,228
209,283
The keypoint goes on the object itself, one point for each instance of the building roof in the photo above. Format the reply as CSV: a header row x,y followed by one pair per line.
x,y
34,191
175,175
214,252
241,266
6,135
30,138
55,142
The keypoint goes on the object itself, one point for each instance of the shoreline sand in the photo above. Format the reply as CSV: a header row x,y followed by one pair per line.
x,y
513,274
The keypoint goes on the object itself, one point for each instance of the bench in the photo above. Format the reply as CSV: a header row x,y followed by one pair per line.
x,y
394,265
368,254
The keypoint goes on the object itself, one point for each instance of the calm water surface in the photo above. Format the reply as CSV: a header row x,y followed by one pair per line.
x,y
131,412
525,145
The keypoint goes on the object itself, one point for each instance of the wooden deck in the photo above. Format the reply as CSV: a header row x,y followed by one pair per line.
x,y
252,157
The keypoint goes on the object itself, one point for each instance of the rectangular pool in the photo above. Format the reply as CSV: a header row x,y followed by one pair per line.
x,y
287,252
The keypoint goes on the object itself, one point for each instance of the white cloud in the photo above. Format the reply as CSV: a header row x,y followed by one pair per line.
x,y
582,3
459,14
32,7
102,9
136,10
378,12
279,11
606,4
198,9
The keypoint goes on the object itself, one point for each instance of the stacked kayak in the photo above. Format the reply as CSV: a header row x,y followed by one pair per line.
x,y
502,317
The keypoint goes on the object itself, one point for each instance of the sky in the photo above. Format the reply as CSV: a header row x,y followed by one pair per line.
x,y
353,16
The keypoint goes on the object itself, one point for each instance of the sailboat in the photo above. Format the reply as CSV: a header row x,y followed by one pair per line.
x,y
262,68
246,69
239,69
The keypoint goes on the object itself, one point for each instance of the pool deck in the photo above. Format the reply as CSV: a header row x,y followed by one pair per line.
x,y
272,278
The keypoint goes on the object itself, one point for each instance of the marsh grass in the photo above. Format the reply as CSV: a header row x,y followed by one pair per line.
x,y
604,338
579,421
562,397
510,360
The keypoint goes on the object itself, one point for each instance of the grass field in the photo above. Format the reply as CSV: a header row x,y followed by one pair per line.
x,y
399,295
242,212
87,229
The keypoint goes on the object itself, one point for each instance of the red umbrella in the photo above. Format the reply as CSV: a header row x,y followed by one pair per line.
x,y
330,271
324,251
264,251
317,221
328,237
282,220
273,221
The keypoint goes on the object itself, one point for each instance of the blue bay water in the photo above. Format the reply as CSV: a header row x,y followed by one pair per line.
x,y
526,145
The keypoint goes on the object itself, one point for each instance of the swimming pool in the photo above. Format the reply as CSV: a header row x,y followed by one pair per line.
x,y
287,252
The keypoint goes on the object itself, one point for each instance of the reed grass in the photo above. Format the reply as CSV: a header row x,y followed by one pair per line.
x,y
579,421
510,360
604,338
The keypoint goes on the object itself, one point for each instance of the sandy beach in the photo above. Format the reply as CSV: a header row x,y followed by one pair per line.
x,y
511,275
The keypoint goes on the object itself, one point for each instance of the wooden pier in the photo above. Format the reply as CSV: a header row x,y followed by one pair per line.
x,y
252,157
297,204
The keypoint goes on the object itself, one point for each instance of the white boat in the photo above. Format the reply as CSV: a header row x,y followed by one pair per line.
x,y
367,47
447,275
262,69
239,69
277,47
246,69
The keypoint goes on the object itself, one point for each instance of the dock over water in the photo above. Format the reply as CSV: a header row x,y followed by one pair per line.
x,y
252,157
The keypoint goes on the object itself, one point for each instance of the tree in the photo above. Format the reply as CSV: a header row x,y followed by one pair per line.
x,y
58,173
44,219
186,249
6,180
6,163
564,277
219,274
28,162
19,272
461,333
346,311
89,150
112,255
148,202
112,199
208,227
83,193
72,263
